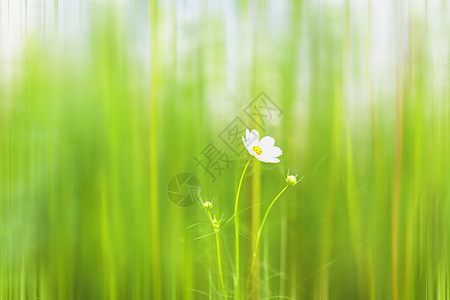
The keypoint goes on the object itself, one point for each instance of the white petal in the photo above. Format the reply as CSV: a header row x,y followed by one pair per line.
x,y
268,159
247,134
266,142
252,139
254,135
275,151
271,152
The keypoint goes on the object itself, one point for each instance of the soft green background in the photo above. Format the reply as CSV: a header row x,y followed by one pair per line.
x,y
102,103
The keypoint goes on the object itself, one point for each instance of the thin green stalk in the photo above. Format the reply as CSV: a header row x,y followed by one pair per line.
x,y
219,261
236,232
258,236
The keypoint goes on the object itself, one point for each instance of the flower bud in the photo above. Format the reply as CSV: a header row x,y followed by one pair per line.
x,y
216,223
207,205
291,179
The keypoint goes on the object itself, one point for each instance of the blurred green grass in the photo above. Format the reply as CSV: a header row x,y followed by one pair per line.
x,y
92,133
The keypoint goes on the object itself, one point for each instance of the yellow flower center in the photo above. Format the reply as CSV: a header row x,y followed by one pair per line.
x,y
257,150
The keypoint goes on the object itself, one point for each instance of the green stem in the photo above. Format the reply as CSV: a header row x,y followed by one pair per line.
x,y
258,236
236,232
219,261
220,264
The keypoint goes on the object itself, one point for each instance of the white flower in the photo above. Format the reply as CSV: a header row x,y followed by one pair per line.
x,y
264,149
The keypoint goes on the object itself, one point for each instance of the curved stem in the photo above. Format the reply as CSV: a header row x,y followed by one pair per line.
x,y
258,236
236,232
219,261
